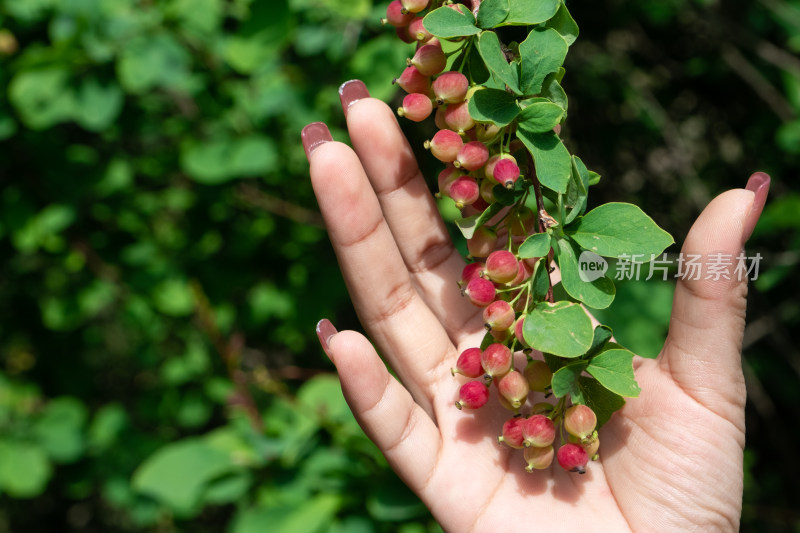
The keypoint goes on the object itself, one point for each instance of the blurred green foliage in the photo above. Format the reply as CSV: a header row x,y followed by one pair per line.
x,y
162,262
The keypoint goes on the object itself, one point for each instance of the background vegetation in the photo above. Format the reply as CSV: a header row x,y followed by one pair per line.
x,y
162,262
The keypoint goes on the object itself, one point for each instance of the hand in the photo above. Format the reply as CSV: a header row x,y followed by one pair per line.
x,y
671,460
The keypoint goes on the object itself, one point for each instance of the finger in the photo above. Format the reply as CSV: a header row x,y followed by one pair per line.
x,y
384,297
409,208
703,348
403,432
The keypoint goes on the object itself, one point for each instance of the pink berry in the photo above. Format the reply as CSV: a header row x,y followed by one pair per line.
x,y
417,30
429,60
482,242
469,363
487,133
450,88
416,107
403,35
514,388
518,333
395,15
413,81
538,374
523,274
479,205
538,431
590,444
464,191
457,117
506,173
492,162
512,432
446,178
414,6
470,272
438,119
580,421
502,266
472,395
496,360
501,336
445,145
538,458
472,156
498,316
573,458
458,7
481,292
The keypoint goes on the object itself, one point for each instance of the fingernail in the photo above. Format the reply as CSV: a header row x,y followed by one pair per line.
x,y
351,92
326,330
314,135
759,185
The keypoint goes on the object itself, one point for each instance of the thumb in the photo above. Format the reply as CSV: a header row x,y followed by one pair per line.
x,y
703,348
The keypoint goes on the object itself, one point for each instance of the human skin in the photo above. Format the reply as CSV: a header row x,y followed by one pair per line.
x,y
671,459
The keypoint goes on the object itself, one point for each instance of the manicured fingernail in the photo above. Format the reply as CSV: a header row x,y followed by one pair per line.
x,y
314,135
325,330
759,185
351,92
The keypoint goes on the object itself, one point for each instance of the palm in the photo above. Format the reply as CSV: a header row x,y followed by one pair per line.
x,y
671,459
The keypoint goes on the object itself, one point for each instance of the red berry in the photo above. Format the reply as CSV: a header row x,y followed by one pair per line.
x,y
512,432
482,242
580,421
464,191
395,15
481,292
472,156
417,30
413,81
506,173
429,59
469,363
573,458
472,395
446,178
518,333
471,271
514,388
502,266
538,458
492,162
450,88
538,431
445,145
416,107
496,360
498,316
457,117
538,374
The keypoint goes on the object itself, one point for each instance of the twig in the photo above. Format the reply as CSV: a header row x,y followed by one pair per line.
x,y
750,74
278,206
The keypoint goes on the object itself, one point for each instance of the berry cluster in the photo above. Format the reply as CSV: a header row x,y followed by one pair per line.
x,y
479,159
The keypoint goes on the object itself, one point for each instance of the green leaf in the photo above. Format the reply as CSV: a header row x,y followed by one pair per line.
x,y
602,334
469,224
493,105
565,379
564,24
576,190
541,280
495,59
541,53
446,23
601,400
97,106
597,294
550,157
394,502
540,115
24,469
552,90
525,12
492,12
59,431
614,370
220,160
616,229
508,197
177,474
42,97
537,245
562,329
149,61
312,515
